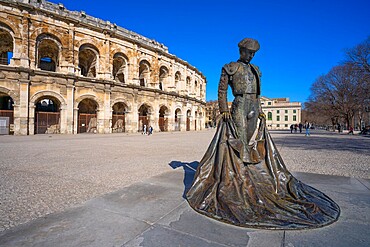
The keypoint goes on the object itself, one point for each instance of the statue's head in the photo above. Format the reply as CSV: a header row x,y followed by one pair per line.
x,y
247,48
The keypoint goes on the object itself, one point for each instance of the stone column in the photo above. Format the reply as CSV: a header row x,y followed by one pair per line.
x,y
70,113
24,84
107,121
63,119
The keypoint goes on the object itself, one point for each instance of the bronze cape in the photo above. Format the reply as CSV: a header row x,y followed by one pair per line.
x,y
261,195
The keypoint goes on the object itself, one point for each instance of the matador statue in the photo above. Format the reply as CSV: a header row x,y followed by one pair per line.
x,y
242,179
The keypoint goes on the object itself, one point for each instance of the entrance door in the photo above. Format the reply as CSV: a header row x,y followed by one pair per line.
x,y
86,123
47,122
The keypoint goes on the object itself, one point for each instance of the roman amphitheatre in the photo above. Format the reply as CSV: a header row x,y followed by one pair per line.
x,y
66,72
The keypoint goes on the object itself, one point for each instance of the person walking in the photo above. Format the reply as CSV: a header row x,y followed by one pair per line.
x,y
291,128
300,126
150,130
307,127
144,129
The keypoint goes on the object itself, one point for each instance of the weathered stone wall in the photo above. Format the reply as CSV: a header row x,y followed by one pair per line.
x,y
68,57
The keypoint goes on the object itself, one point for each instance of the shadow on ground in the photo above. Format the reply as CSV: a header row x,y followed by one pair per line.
x,y
189,172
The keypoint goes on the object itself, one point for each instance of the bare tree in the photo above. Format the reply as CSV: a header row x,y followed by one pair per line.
x,y
359,55
339,94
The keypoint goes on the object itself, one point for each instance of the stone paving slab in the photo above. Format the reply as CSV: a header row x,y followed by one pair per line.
x,y
153,213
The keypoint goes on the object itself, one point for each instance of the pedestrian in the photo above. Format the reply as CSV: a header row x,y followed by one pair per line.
x,y
295,128
291,128
150,130
144,129
300,126
350,130
307,127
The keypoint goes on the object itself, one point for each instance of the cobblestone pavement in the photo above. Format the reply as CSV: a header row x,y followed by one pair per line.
x,y
43,174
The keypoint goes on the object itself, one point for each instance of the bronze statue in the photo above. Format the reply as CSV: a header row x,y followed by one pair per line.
x,y
242,179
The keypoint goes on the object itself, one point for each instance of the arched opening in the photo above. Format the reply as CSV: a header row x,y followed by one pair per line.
x,y
163,74
120,68
47,52
47,116
118,117
6,46
177,120
188,83
144,73
7,112
144,117
163,120
195,88
87,60
87,117
188,115
177,80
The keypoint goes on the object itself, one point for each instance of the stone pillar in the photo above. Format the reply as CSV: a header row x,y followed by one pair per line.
x,y
134,116
107,121
75,120
70,113
31,119
129,122
24,84
63,119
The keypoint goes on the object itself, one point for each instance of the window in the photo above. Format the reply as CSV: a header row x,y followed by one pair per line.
x,y
286,118
294,111
286,125
278,125
269,116
277,118
277,111
268,103
286,111
294,118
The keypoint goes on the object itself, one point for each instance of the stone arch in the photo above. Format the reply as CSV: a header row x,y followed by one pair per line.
x,y
144,72
48,52
188,81
13,30
11,93
177,119
45,93
7,104
46,107
50,31
188,119
177,80
124,101
87,115
88,60
120,67
7,44
163,76
144,112
164,112
88,96
119,110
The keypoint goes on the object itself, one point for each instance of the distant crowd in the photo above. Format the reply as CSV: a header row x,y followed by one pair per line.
x,y
295,127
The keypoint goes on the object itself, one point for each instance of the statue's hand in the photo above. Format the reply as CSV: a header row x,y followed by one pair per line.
x,y
262,115
226,115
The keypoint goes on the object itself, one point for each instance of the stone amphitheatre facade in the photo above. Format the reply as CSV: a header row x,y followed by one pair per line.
x,y
67,72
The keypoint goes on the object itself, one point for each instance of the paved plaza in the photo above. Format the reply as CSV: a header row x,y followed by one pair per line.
x,y
127,190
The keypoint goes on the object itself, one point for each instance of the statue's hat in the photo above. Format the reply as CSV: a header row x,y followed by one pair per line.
x,y
250,44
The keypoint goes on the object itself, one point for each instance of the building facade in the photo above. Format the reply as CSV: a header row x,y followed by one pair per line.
x,y
280,112
67,72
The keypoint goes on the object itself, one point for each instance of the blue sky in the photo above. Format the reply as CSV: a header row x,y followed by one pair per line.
x,y
300,40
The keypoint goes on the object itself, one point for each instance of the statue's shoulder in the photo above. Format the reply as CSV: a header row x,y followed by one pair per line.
x,y
231,68
256,69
